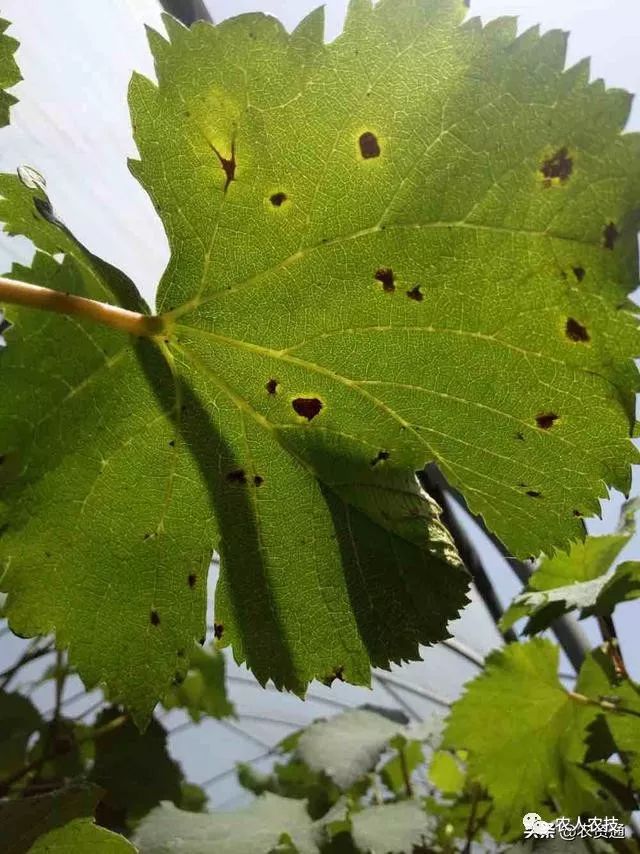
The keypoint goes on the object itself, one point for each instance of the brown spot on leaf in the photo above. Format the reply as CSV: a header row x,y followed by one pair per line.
x,y
546,420
609,236
380,457
579,273
180,653
533,494
202,640
278,199
154,618
559,167
576,331
520,436
307,407
237,476
192,579
577,514
415,294
369,146
218,630
172,443
385,276
228,164
272,386
178,679
258,480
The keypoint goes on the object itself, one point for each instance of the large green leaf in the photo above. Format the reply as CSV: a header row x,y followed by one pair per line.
x,y
413,244
110,474
20,720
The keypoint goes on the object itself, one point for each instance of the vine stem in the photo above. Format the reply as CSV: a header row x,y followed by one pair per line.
x,y
612,645
605,705
46,299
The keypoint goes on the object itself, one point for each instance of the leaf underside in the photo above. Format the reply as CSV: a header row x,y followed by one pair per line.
x,y
414,244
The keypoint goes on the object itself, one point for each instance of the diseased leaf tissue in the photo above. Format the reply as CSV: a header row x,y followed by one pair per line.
x,y
413,244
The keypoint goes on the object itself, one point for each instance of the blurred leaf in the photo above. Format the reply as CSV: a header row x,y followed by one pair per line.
x,y
392,828
192,798
82,835
398,770
134,768
202,691
257,828
346,746
445,773
19,719
23,820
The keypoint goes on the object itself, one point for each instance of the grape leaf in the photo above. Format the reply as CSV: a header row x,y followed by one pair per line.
x,y
576,579
397,233
258,827
134,768
392,828
202,691
106,423
536,750
361,256
82,834
346,746
598,679
9,72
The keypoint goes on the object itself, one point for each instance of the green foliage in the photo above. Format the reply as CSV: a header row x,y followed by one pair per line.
x,y
535,758
304,374
415,244
9,72
579,579
81,835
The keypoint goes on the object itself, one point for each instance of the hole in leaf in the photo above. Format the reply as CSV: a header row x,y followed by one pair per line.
x,y
338,673
369,145
237,476
576,331
380,457
154,618
609,236
533,494
218,630
307,407
277,199
546,420
258,480
272,386
579,273
415,294
192,580
385,276
558,166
